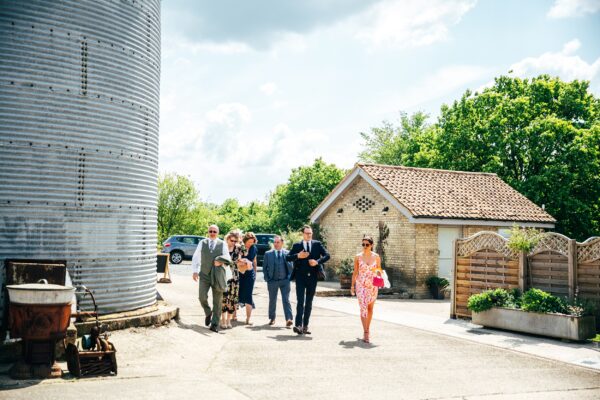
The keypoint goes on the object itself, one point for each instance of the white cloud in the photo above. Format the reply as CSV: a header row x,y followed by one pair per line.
x,y
229,114
410,23
564,63
268,88
180,45
573,8
435,86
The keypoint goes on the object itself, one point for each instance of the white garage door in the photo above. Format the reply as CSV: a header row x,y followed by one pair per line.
x,y
446,236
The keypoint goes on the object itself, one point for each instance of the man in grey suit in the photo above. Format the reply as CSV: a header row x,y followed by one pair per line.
x,y
211,274
277,272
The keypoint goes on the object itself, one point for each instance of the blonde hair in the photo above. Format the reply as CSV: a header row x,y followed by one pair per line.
x,y
233,233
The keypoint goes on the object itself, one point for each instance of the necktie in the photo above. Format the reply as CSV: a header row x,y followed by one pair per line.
x,y
278,254
211,245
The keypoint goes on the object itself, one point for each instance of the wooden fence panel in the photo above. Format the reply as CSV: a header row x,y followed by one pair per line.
x,y
588,269
482,262
549,271
557,265
548,265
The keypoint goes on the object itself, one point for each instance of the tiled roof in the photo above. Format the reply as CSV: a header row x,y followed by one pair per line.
x,y
434,193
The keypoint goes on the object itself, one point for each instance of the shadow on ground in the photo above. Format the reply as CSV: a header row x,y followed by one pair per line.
x,y
350,344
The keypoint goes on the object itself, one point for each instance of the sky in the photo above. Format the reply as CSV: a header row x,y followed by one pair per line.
x,y
252,89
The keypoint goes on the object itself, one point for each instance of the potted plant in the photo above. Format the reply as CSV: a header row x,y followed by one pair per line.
x,y
523,239
345,271
437,286
535,312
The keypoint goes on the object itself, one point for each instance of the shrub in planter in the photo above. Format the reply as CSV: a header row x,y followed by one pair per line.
x,y
345,270
436,286
493,298
536,300
535,312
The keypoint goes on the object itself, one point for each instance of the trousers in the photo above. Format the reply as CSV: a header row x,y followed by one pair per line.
x,y
217,294
284,286
306,286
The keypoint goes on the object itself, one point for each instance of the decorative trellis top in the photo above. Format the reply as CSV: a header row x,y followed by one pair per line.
x,y
484,241
552,241
588,250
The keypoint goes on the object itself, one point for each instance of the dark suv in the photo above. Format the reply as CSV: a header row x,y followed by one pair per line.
x,y
180,247
265,243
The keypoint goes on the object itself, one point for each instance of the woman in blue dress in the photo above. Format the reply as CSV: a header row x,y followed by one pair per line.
x,y
248,276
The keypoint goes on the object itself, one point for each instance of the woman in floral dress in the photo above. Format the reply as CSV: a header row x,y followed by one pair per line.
x,y
231,297
367,265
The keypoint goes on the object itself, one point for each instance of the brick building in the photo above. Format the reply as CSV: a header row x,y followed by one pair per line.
x,y
424,210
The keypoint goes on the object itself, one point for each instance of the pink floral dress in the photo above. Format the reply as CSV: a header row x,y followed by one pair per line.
x,y
366,293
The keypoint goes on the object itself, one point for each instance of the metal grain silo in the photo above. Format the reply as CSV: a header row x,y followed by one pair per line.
x,y
79,100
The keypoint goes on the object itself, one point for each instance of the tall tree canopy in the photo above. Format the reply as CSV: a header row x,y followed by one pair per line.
x,y
180,212
542,136
292,203
177,197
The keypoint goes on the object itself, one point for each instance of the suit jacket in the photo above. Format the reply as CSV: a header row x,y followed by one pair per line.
x,y
269,264
317,252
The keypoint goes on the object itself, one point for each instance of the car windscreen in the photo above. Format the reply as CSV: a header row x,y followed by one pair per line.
x,y
265,240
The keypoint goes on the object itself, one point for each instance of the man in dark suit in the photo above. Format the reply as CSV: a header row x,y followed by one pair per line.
x,y
277,271
308,257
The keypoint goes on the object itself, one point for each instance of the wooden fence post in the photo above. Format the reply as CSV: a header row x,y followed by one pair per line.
x,y
522,271
572,267
454,279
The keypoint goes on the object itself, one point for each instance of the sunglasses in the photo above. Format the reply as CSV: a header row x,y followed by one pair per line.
x,y
233,241
213,232
366,244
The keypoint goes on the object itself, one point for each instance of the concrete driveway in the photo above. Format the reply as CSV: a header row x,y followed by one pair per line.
x,y
186,361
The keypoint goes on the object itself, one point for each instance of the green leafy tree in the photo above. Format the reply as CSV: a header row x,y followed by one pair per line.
x,y
307,186
409,143
201,217
177,197
540,135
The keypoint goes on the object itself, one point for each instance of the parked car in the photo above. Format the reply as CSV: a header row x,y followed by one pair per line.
x,y
265,243
181,247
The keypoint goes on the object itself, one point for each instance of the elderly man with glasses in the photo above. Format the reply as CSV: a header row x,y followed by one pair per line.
x,y
211,275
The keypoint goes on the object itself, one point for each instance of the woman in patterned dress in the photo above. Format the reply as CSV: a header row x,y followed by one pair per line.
x,y
231,297
367,265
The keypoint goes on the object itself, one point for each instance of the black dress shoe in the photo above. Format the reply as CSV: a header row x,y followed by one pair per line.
x,y
207,319
305,330
298,330
214,328
272,322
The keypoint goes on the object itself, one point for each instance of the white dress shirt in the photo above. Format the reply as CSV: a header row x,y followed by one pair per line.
x,y
306,245
198,254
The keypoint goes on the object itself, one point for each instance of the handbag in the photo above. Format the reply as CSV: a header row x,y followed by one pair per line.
x,y
228,274
321,276
378,281
386,281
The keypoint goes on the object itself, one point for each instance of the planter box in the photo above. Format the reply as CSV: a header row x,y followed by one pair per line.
x,y
345,281
553,325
